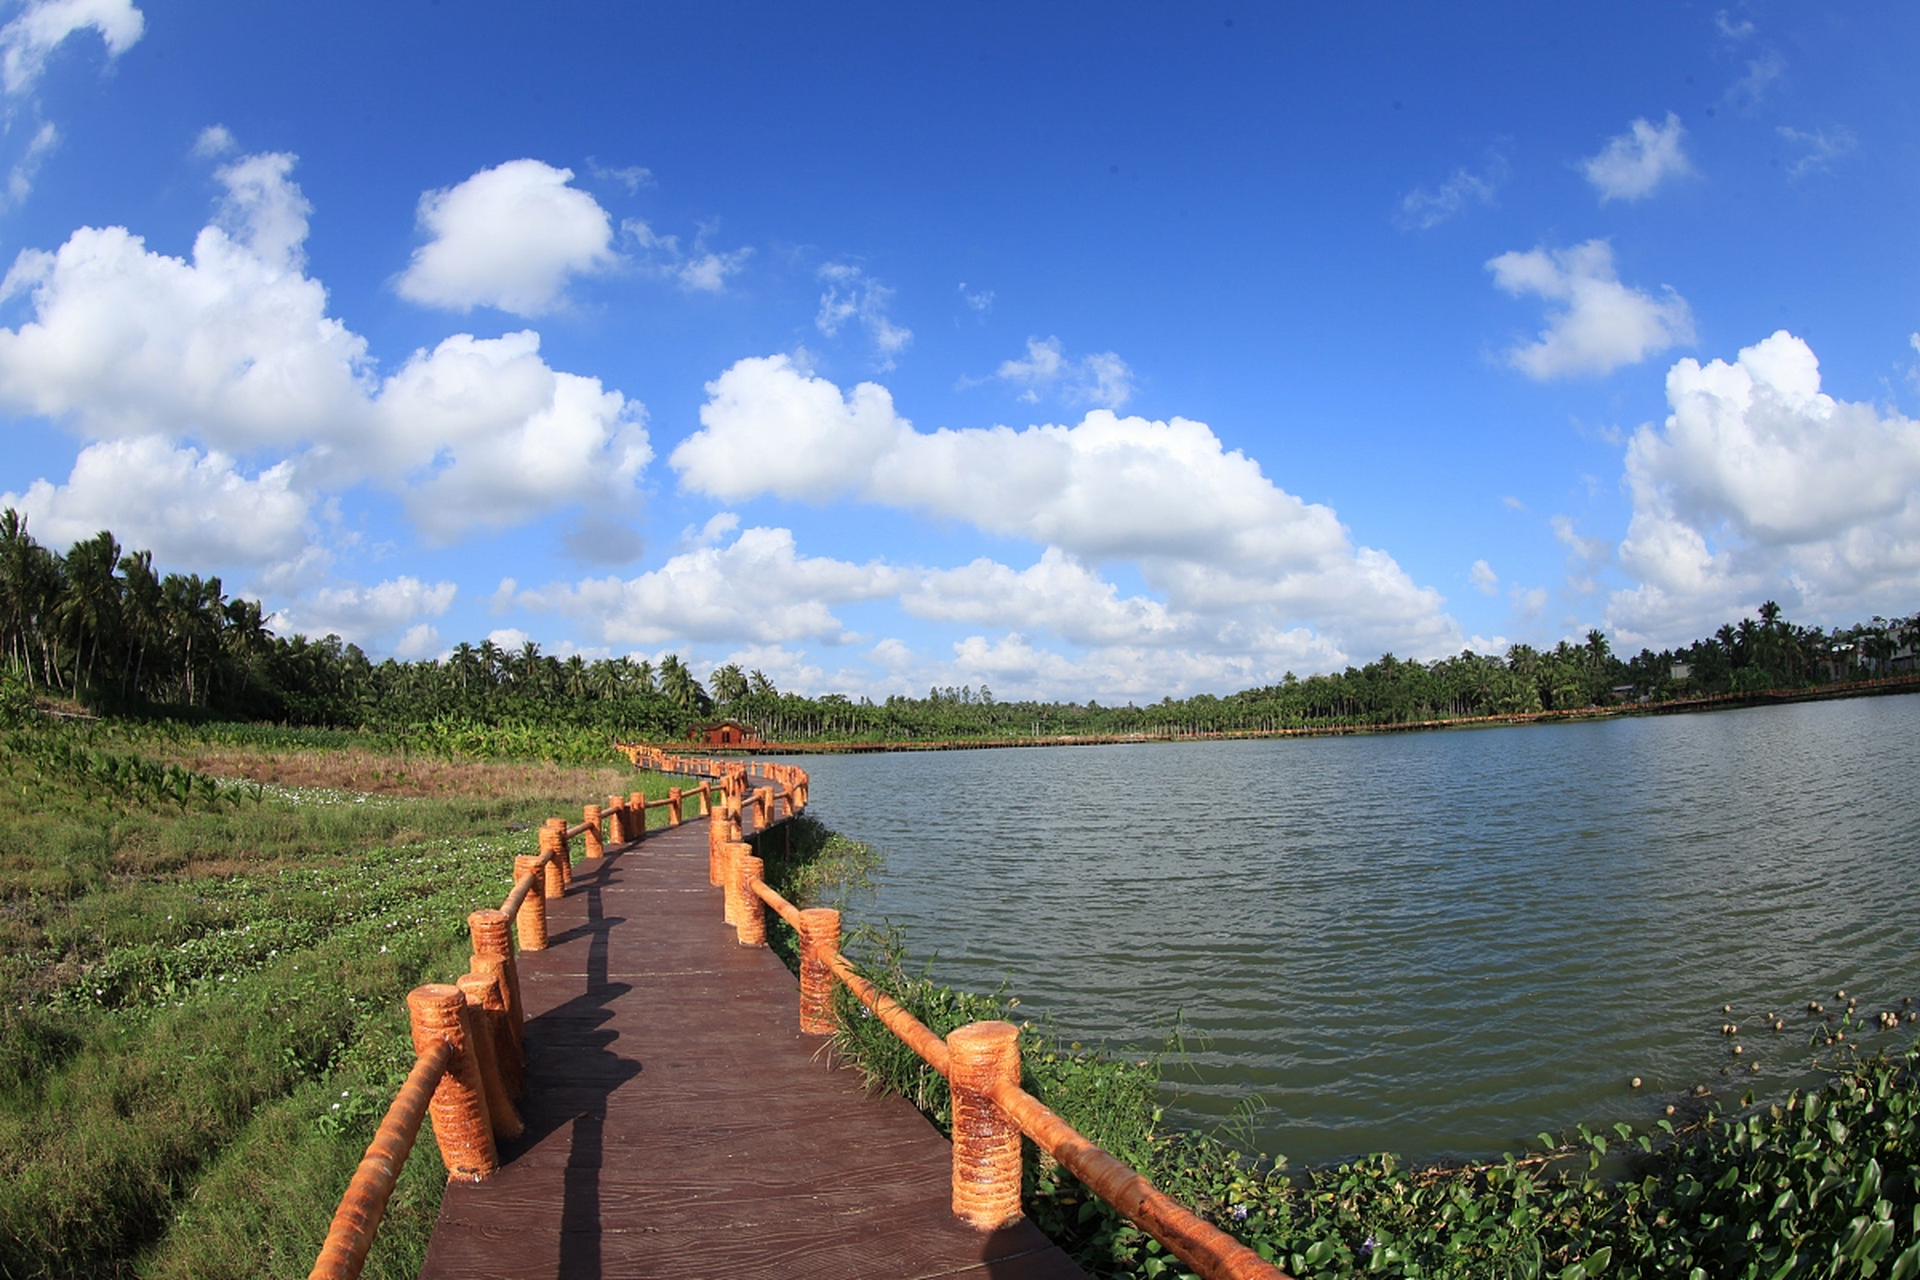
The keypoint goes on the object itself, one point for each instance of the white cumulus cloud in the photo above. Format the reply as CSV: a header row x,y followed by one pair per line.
x,y
214,141
185,506
1058,594
234,346
1595,323
1761,485
233,349
810,442
485,432
366,615
44,25
1015,665
758,588
1632,165
1206,527
509,237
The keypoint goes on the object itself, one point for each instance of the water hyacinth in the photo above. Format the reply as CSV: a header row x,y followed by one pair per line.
x,y
1823,1182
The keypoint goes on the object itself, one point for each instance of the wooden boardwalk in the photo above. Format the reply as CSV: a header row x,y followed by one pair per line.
x,y
678,1124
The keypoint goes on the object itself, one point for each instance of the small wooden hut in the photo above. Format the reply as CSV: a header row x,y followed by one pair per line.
x,y
724,733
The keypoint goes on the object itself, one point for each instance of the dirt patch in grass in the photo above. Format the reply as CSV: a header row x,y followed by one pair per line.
x,y
379,773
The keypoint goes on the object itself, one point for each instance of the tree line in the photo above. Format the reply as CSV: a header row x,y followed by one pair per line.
x,y
103,628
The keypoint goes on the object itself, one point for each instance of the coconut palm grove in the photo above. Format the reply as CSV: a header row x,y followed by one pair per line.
x,y
97,626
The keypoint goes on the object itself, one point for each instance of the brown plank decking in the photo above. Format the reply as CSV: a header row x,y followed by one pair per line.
x,y
678,1124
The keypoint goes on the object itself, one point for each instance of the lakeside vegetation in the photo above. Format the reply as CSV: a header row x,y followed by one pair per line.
x,y
1821,1182
1824,1181
100,628
201,1020
205,950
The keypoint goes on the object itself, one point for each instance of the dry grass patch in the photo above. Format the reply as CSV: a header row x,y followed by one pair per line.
x,y
380,773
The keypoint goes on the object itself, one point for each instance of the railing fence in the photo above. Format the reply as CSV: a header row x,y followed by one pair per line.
x,y
470,1035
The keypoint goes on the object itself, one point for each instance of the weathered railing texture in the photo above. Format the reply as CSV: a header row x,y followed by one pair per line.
x,y
469,1036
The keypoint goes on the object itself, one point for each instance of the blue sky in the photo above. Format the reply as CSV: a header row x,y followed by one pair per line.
x,y
1075,351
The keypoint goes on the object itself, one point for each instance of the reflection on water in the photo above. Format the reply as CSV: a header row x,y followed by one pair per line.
x,y
1433,943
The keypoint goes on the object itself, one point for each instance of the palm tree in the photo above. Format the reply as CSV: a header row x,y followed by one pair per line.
x,y
245,639
90,610
142,612
679,685
729,683
193,611
494,661
1747,643
463,663
21,574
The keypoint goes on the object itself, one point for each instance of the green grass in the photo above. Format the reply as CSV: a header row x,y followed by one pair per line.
x,y
202,1005
161,1060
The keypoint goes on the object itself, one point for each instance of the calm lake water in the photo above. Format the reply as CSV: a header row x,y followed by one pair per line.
x,y
1437,943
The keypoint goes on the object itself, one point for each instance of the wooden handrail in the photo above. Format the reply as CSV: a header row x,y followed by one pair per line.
x,y
771,896
351,1234
911,1031
468,1042
524,885
1195,1241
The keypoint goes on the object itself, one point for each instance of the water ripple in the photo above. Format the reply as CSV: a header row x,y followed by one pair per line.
x,y
1435,943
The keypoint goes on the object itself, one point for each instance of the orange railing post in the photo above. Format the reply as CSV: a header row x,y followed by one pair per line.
x,y
486,1016
563,860
984,1056
637,804
552,840
732,907
819,938
531,923
438,1011
493,954
673,806
751,927
616,820
596,847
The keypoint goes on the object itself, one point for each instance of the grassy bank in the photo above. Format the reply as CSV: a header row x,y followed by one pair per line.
x,y
205,946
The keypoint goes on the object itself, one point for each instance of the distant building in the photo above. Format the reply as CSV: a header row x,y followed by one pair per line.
x,y
724,733
1681,671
